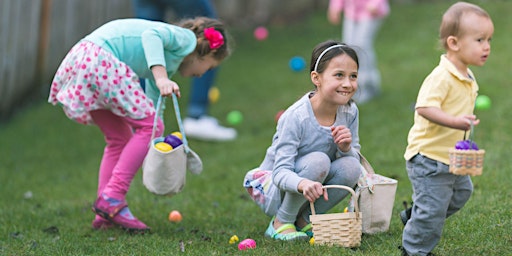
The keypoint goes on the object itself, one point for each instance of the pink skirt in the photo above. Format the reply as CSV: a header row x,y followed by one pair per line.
x,y
90,78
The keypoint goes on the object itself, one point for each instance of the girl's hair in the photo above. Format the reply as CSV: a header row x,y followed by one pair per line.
x,y
450,24
198,25
337,49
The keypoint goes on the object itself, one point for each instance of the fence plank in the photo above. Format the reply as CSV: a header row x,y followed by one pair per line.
x,y
19,33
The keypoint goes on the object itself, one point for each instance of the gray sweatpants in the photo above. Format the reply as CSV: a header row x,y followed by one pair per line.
x,y
315,166
437,194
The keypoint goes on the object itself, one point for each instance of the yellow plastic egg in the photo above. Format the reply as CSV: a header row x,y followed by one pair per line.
x,y
233,239
178,134
214,94
163,147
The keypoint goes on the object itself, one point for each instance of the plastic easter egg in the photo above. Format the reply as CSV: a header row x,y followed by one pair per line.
x,y
261,33
214,94
482,102
297,64
175,216
466,145
233,239
247,244
173,140
235,117
163,147
178,134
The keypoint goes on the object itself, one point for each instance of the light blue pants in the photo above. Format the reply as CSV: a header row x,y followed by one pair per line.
x,y
315,166
361,35
437,194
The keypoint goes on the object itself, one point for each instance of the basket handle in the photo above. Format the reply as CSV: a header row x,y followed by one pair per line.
x,y
367,167
349,189
471,131
159,104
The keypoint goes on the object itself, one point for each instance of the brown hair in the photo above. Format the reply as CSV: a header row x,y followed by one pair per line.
x,y
326,58
197,25
450,25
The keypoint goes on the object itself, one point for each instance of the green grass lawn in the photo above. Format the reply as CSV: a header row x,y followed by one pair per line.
x,y
48,166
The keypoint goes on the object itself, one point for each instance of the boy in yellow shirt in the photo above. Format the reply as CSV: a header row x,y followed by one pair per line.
x,y
443,111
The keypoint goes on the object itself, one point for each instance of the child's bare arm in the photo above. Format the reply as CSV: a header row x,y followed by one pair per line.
x,y
440,117
164,84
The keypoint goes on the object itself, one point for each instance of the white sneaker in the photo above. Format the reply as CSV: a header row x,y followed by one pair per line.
x,y
207,128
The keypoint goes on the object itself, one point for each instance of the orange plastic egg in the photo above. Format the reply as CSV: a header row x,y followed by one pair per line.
x,y
175,216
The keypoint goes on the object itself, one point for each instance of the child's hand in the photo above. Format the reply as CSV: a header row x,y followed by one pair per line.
x,y
342,137
464,122
333,16
311,190
164,84
372,9
167,87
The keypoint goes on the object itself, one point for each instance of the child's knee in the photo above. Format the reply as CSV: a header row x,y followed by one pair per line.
x,y
314,166
460,197
351,167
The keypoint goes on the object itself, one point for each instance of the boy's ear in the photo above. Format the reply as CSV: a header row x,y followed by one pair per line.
x,y
453,43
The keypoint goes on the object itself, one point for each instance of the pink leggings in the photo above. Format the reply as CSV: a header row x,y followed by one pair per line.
x,y
127,142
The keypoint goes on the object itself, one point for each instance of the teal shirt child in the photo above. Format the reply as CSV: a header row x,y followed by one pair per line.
x,y
142,44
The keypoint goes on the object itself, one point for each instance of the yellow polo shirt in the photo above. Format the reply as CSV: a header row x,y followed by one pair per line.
x,y
453,93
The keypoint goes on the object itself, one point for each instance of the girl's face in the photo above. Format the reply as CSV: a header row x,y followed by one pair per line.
x,y
474,46
338,83
194,66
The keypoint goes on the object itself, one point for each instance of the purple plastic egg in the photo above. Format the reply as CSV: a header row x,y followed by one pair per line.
x,y
466,145
173,140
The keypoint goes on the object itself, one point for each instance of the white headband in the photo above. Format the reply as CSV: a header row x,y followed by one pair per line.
x,y
324,52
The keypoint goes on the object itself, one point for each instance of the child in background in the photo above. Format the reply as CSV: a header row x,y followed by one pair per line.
x,y
198,124
98,83
444,111
362,20
316,143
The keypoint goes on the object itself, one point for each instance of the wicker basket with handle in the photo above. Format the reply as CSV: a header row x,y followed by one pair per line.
x,y
343,229
467,162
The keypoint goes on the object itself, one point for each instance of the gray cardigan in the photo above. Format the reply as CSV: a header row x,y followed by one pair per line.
x,y
298,133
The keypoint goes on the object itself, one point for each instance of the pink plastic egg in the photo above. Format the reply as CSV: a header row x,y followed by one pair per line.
x,y
261,33
247,244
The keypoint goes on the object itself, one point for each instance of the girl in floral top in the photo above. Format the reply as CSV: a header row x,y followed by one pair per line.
x,y
98,83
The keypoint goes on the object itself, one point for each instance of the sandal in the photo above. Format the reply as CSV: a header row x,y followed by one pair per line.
x,y
308,230
276,234
117,212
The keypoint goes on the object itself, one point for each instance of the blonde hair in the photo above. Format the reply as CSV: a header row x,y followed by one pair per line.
x,y
197,25
450,25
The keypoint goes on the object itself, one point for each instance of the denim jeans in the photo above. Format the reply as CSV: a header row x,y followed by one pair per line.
x,y
437,194
155,10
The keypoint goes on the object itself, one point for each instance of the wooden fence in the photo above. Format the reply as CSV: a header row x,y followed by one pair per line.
x,y
35,35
